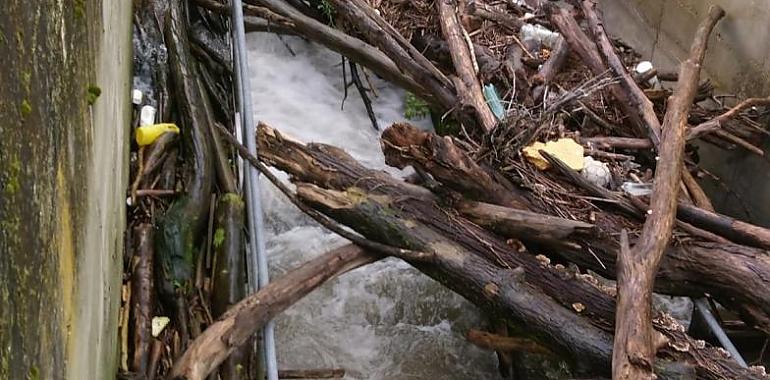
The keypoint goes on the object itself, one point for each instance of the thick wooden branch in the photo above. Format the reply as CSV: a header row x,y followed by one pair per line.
x,y
477,264
470,91
738,275
716,123
522,225
617,142
351,47
405,145
236,326
635,342
489,13
550,68
637,106
438,89
495,342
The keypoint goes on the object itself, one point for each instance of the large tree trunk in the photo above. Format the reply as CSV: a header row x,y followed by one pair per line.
x,y
735,275
562,311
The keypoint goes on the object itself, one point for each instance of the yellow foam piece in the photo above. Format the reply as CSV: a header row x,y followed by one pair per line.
x,y
565,149
147,134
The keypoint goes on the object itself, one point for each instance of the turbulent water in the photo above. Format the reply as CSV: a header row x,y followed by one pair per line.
x,y
383,321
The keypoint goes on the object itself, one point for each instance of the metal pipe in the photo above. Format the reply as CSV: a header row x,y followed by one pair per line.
x,y
257,263
705,311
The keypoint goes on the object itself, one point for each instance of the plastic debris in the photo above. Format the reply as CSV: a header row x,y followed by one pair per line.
x,y
158,324
137,97
147,134
566,150
596,172
645,66
493,100
147,115
540,34
637,189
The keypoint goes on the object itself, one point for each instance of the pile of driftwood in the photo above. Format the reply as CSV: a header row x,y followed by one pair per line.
x,y
524,242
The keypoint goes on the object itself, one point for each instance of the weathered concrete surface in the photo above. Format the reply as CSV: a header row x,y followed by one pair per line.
x,y
738,61
62,175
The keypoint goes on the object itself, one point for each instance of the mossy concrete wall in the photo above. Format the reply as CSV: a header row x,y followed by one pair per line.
x,y
64,114
738,62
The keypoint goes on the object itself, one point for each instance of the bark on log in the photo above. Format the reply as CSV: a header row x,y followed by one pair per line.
x,y
635,339
142,299
437,50
550,68
734,275
735,230
332,373
229,272
179,229
489,13
618,142
470,91
236,326
473,262
351,47
523,225
491,341
633,99
405,145
438,88
716,123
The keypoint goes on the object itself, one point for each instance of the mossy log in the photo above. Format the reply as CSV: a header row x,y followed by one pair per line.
x,y
180,228
737,276
229,275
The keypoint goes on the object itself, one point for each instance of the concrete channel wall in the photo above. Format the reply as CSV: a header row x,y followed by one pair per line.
x,y
63,161
737,62
64,115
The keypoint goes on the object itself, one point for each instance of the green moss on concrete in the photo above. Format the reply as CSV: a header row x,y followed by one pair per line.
x,y
80,9
45,153
219,237
25,108
92,93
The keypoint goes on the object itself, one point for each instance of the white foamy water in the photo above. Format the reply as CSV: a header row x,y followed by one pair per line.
x,y
383,321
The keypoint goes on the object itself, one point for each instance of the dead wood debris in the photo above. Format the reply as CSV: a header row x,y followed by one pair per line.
x,y
499,76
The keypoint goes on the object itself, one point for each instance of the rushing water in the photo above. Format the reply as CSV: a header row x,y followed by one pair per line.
x,y
383,321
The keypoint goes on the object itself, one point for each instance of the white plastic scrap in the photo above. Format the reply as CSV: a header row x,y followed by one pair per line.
x,y
596,172
540,34
637,189
147,115
136,97
645,66
158,324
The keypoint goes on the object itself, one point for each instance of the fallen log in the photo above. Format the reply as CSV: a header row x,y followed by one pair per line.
x,y
142,299
229,271
733,274
244,319
523,225
468,87
474,263
716,123
635,340
179,229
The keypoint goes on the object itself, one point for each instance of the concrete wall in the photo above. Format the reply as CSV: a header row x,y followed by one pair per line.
x,y
63,173
738,61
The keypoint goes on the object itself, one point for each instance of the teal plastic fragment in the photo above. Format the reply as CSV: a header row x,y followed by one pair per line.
x,y
493,101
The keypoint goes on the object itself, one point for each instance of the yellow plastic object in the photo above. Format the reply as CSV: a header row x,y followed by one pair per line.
x,y
147,134
565,149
